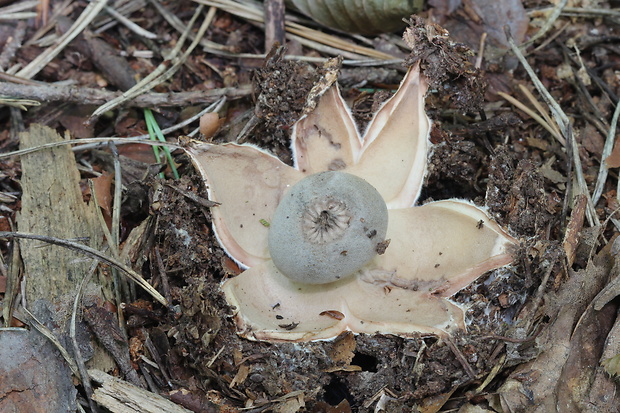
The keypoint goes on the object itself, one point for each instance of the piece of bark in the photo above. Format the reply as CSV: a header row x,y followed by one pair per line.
x,y
114,68
52,205
118,396
104,325
33,375
572,236
90,96
274,23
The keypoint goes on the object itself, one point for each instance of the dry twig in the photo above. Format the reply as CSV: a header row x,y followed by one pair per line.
x,y
93,253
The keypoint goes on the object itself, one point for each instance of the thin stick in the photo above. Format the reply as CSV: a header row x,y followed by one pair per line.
x,y
552,37
44,92
119,284
93,253
129,24
79,360
163,274
41,328
609,145
543,113
214,107
12,283
555,14
581,12
120,141
19,7
118,192
460,357
104,227
534,116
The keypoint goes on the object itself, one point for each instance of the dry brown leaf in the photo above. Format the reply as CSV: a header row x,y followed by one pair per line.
x,y
482,16
138,152
613,160
342,353
103,191
562,375
435,403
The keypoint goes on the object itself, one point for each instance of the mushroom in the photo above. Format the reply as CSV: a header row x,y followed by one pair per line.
x,y
327,227
321,267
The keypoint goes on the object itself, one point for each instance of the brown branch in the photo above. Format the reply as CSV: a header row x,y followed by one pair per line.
x,y
90,96
93,253
274,23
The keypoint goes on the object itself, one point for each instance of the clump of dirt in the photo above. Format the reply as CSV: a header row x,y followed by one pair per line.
x,y
516,193
454,167
447,65
183,229
281,87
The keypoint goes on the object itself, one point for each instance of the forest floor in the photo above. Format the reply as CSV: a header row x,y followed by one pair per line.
x,y
524,103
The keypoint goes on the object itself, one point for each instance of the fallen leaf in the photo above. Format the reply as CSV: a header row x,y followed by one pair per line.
x,y
103,191
562,375
473,18
341,353
613,160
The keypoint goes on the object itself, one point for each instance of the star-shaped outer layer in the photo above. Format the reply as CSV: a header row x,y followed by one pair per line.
x,y
435,249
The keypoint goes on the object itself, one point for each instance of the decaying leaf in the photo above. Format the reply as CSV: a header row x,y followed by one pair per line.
x,y
566,372
359,16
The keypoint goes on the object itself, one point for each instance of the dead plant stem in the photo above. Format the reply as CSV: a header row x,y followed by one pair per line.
x,y
89,96
565,126
93,253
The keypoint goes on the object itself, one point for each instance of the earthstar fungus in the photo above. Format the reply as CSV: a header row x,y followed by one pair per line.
x,y
276,219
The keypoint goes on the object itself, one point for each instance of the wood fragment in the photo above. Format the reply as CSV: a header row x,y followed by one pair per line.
x,y
52,204
575,225
118,396
274,23
91,96
104,325
114,68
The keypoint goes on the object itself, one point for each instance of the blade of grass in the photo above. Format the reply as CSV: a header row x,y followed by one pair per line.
x,y
156,134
